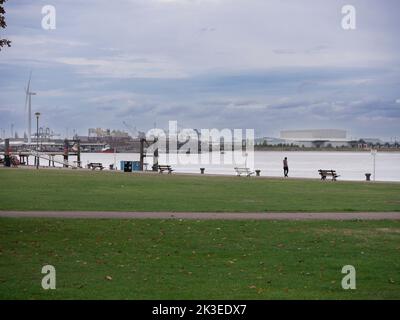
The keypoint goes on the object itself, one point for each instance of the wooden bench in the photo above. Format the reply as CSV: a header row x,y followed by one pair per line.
x,y
328,173
95,165
163,168
246,171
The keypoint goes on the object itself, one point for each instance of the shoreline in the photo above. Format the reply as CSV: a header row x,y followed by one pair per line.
x,y
327,150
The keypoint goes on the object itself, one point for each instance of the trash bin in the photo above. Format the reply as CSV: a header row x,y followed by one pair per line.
x,y
202,170
127,166
258,173
136,166
7,161
368,176
111,167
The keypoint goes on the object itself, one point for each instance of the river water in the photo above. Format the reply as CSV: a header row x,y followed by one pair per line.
x,y
350,165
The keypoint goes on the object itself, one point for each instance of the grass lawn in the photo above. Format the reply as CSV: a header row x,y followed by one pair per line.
x,y
105,191
164,259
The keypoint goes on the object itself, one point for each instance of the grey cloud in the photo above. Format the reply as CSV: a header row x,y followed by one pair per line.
x,y
288,65
283,51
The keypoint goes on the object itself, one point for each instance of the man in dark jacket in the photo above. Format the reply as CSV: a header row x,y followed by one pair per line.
x,y
285,167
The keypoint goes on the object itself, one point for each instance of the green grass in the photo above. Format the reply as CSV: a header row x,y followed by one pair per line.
x,y
88,191
172,259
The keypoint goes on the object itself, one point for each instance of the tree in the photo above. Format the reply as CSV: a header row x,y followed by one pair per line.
x,y
3,25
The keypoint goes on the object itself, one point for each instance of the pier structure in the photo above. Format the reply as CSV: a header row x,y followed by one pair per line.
x,y
23,156
62,156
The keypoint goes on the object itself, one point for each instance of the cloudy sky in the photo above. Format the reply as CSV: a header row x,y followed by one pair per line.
x,y
264,64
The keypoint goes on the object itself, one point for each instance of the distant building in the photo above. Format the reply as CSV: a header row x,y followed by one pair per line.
x,y
311,135
102,133
372,141
98,132
316,138
269,141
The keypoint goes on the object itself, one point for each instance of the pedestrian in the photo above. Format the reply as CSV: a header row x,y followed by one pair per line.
x,y
285,167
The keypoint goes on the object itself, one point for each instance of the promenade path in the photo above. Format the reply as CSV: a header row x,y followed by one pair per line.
x,y
205,215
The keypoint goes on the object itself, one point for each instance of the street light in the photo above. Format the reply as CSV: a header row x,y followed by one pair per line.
x,y
373,153
37,114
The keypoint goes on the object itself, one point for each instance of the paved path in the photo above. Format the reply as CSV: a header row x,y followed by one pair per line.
x,y
207,215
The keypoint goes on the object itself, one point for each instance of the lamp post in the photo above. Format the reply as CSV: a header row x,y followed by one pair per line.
x,y
37,114
373,153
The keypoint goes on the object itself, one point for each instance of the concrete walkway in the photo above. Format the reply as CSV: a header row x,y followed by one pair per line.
x,y
205,215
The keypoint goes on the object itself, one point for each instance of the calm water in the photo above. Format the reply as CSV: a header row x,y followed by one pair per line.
x,y
350,165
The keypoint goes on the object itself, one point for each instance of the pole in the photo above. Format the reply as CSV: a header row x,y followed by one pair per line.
x,y
37,114
7,160
142,155
29,119
79,153
41,139
155,158
115,158
374,152
66,150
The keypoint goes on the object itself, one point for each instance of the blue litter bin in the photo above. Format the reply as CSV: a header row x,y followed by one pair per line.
x,y
136,166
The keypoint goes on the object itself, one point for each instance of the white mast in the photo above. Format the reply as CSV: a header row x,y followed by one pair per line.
x,y
28,103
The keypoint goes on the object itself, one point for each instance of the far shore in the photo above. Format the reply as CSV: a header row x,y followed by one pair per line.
x,y
293,149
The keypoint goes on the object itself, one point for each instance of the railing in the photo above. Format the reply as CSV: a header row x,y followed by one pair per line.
x,y
52,159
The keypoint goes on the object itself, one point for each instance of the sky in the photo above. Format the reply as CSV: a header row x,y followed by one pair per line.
x,y
267,65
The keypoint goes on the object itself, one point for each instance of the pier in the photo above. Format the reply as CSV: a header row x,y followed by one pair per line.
x,y
22,154
21,157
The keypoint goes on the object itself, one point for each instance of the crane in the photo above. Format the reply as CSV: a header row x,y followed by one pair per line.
x,y
132,130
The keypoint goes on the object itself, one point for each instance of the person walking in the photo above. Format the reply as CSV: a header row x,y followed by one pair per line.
x,y
285,167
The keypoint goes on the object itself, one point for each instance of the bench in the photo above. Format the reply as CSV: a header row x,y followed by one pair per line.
x,y
246,171
95,165
163,168
328,173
